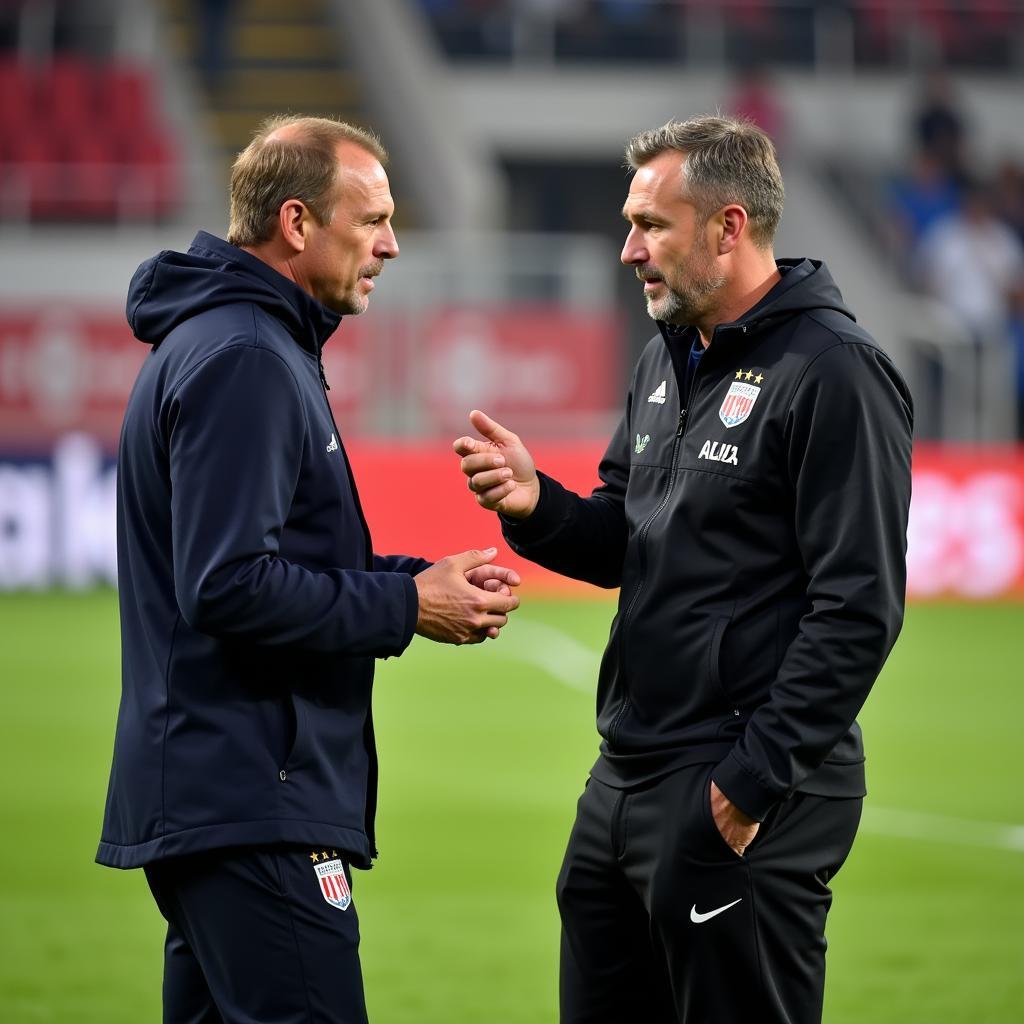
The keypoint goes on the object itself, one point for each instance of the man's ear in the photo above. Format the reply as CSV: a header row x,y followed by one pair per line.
x,y
732,223
293,220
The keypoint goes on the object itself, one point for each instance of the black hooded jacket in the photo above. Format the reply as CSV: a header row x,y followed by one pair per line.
x,y
757,529
252,605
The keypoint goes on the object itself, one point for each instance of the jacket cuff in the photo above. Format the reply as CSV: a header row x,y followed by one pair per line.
x,y
412,612
546,519
749,795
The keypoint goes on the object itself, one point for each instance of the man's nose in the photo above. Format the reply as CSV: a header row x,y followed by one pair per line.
x,y
633,250
387,245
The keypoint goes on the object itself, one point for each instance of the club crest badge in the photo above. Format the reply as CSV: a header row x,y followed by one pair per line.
x,y
330,873
738,402
641,443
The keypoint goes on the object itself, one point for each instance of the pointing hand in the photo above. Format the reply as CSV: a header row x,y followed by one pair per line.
x,y
501,471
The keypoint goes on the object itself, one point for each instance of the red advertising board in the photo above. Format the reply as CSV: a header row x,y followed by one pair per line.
x,y
540,364
966,537
66,372
71,368
417,502
63,369
967,523
57,513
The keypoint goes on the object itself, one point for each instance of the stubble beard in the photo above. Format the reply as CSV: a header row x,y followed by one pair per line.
x,y
353,302
688,300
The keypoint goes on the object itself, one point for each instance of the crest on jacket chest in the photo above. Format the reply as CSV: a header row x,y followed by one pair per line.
x,y
740,398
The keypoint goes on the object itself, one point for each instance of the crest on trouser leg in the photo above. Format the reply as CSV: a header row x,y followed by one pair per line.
x,y
330,873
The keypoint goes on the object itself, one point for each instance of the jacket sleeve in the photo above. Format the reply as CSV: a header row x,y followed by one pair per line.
x,y
584,538
408,564
848,433
235,431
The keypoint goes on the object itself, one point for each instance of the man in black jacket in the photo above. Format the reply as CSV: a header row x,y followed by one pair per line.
x,y
753,510
244,777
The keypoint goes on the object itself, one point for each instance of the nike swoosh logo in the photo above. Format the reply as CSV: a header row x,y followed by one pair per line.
x,y
697,918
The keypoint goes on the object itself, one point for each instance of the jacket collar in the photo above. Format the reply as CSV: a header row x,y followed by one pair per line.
x,y
311,324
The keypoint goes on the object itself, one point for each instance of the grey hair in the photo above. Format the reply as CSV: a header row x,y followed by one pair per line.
x,y
728,160
302,166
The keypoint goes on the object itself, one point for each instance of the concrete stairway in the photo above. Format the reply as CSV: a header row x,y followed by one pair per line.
x,y
281,57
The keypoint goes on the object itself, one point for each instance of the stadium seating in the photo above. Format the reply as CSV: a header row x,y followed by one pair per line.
x,y
877,33
83,142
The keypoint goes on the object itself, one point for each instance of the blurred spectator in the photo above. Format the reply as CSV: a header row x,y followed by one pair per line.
x,y
756,99
1008,192
974,263
939,125
918,199
1017,336
536,24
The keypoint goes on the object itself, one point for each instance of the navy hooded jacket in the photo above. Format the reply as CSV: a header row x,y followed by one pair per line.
x,y
252,606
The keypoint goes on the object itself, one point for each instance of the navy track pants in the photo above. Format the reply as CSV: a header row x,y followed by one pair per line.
x,y
253,937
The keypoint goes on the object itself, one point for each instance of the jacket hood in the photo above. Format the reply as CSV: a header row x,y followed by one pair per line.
x,y
806,284
173,287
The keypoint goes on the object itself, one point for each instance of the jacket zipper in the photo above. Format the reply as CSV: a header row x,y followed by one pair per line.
x,y
642,537
369,820
325,387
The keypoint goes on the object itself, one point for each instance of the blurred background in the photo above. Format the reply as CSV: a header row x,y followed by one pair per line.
x,y
900,128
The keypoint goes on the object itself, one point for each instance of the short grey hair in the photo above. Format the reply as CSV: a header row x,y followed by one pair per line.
x,y
728,160
303,166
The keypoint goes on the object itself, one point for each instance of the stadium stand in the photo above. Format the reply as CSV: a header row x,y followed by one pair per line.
x,y
786,33
254,58
83,137
507,157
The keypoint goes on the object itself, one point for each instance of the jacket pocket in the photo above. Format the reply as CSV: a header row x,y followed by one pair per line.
x,y
296,755
749,663
715,659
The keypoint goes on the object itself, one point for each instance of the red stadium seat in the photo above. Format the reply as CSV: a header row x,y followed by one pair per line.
x,y
80,142
66,93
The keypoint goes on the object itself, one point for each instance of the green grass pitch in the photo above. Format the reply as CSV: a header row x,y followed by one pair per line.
x,y
483,753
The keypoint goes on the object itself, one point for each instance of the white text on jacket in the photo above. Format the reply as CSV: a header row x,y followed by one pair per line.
x,y
718,451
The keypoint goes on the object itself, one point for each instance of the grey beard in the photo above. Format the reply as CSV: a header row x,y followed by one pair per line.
x,y
679,309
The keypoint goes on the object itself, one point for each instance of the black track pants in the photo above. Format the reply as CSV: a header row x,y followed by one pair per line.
x,y
662,922
253,939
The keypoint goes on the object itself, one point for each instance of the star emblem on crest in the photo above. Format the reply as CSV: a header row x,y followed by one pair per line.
x,y
749,375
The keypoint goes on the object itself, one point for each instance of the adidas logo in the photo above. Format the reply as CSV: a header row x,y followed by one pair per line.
x,y
332,445
658,394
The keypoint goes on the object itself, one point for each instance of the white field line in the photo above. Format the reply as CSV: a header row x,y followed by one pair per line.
x,y
575,665
554,651
938,828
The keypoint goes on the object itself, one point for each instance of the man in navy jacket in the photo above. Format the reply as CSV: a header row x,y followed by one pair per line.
x,y
252,605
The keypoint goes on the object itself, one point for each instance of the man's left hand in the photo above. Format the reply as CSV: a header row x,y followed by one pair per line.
x,y
494,578
737,829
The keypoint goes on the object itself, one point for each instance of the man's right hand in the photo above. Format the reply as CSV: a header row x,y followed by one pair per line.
x,y
500,470
452,610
